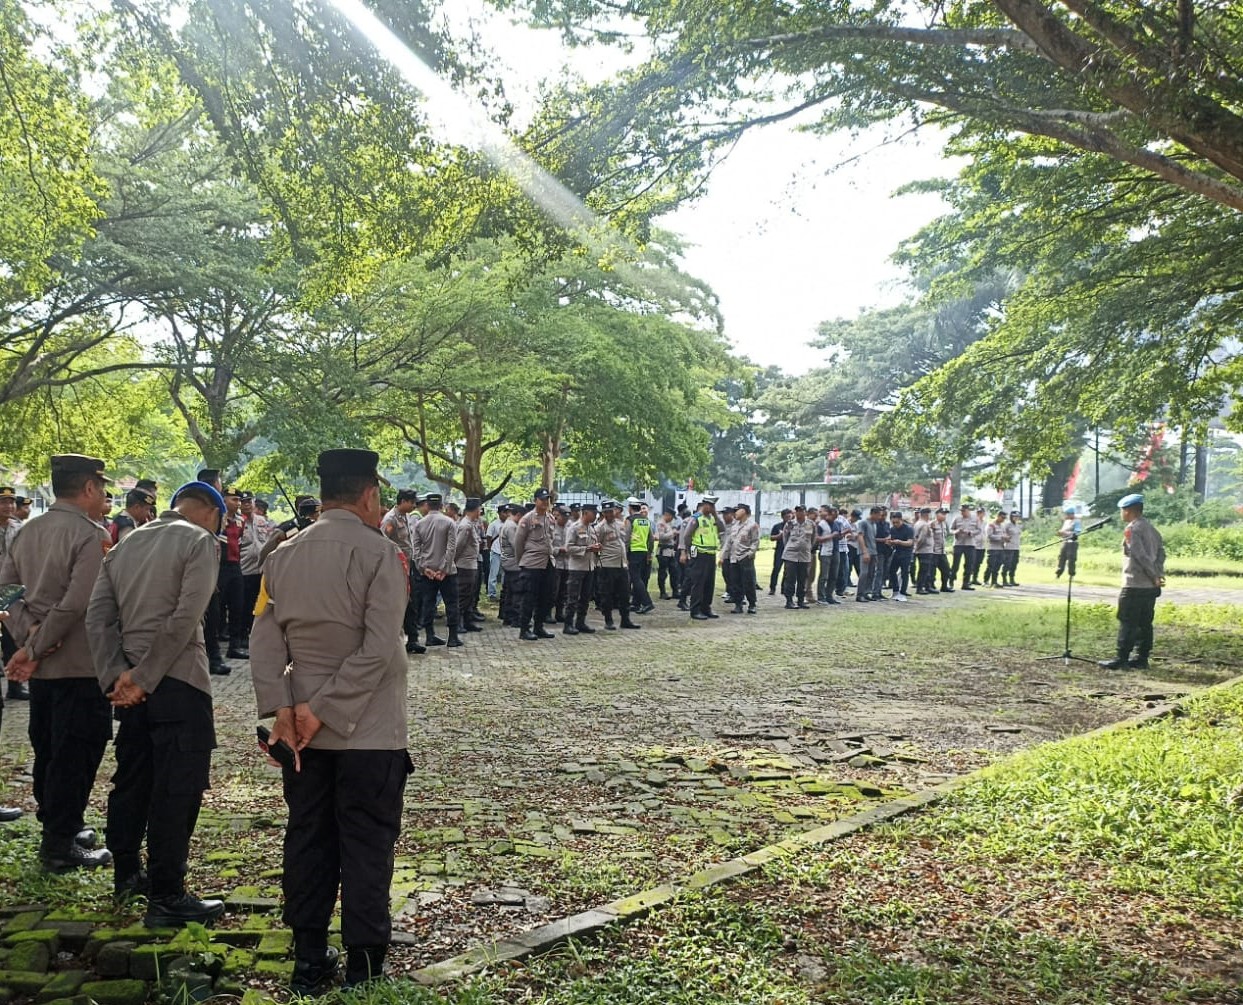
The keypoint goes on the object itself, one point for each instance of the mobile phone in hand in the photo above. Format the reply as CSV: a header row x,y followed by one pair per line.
x,y
10,594
280,751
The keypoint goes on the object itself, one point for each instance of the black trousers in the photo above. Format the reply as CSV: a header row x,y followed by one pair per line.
x,y
485,568
1012,564
795,582
163,750
996,560
467,595
701,582
979,564
614,590
431,590
1136,608
900,572
744,582
70,725
943,567
233,603
668,574
560,591
538,591
640,565
925,571
414,607
344,818
727,577
250,591
211,629
777,552
1067,557
964,556
511,603
579,589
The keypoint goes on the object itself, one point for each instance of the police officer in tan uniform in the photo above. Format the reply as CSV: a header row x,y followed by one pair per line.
x,y
58,557
582,548
434,540
533,548
466,558
328,662
145,624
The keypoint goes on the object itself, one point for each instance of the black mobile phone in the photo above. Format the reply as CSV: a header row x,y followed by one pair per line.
x,y
10,594
280,751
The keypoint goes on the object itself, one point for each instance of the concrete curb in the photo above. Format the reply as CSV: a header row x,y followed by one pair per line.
x,y
616,912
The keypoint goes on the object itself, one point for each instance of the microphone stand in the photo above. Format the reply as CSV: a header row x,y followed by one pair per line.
x,y
1066,655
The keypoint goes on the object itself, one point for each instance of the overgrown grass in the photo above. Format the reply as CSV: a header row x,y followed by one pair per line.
x,y
1150,804
1135,810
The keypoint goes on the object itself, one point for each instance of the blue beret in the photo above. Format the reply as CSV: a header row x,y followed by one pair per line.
x,y
201,488
1134,499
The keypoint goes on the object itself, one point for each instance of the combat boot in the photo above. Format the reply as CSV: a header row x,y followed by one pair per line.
x,y
60,855
455,640
364,965
315,963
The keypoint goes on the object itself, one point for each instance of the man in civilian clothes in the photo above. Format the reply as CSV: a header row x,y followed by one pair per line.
x,y
145,624
776,535
57,557
902,540
328,663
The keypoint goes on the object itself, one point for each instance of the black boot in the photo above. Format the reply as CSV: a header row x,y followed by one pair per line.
x,y
181,910
17,691
86,838
415,648
569,628
541,633
627,623
134,884
9,813
64,855
584,628
455,641
608,623
433,639
315,963
737,608
363,965
526,635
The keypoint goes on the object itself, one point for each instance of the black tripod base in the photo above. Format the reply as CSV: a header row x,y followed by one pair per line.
x,y
1066,658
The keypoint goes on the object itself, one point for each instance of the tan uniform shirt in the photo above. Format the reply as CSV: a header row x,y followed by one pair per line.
x,y
255,533
396,527
146,611
558,545
533,544
579,537
337,593
964,530
1014,536
466,549
434,540
744,542
57,557
666,538
1143,551
923,537
612,538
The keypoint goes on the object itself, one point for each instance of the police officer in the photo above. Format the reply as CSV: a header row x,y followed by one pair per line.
x,y
611,569
964,528
561,520
533,549
996,534
511,591
10,523
331,611
799,536
434,540
940,534
744,543
1143,576
701,541
582,548
139,504
58,557
1013,545
1068,553
466,558
668,570
231,588
145,624
639,540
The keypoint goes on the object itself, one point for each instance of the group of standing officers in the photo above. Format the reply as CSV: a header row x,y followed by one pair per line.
x,y
114,624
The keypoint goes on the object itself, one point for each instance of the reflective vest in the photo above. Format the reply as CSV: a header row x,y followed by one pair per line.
x,y
706,537
640,533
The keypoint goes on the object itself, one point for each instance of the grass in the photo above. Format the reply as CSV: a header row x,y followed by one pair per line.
x,y
1098,869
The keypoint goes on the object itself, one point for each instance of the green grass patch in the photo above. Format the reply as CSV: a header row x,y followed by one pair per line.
x,y
1152,804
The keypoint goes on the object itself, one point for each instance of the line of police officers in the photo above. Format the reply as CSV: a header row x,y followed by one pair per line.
x,y
107,631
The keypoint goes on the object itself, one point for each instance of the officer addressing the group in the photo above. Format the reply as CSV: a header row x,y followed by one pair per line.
x,y
329,662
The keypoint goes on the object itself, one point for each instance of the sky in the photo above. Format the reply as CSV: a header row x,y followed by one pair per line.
x,y
785,237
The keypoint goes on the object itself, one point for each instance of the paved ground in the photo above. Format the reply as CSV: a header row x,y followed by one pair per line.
x,y
553,775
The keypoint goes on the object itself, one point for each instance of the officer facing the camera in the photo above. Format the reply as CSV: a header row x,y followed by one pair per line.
x,y
328,661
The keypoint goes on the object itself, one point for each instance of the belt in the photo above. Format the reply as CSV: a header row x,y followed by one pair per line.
x,y
705,551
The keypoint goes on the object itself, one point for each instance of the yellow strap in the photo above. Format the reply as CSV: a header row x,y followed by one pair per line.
x,y
261,603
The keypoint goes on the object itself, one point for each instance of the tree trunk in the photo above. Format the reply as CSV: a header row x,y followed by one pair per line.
x,y
1183,446
1053,493
550,452
1201,476
472,453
